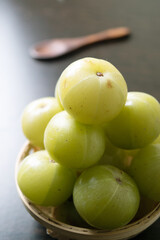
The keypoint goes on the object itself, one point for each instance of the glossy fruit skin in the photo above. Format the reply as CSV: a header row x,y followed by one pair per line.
x,y
157,140
43,181
106,197
138,124
56,94
92,90
35,118
145,169
73,144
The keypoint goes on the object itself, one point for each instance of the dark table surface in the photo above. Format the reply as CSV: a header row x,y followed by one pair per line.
x,y
24,79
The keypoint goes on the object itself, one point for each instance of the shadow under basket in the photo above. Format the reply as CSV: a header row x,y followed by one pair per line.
x,y
149,212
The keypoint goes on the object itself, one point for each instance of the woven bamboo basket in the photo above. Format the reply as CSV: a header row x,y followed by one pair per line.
x,y
64,231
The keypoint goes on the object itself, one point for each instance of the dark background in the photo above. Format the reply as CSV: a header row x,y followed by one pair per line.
x,y
23,79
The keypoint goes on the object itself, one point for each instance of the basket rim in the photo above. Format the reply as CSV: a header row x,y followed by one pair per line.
x,y
147,220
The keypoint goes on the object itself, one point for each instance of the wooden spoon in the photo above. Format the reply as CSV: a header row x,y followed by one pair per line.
x,y
49,49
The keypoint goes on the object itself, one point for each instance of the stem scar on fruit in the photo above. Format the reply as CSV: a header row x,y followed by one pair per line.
x,y
119,180
52,161
99,74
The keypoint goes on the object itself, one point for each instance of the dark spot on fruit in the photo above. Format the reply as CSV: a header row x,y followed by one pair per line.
x,y
129,160
51,161
99,74
119,180
109,84
59,189
65,83
70,108
42,105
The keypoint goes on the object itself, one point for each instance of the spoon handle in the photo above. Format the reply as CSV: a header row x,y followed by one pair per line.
x,y
108,34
